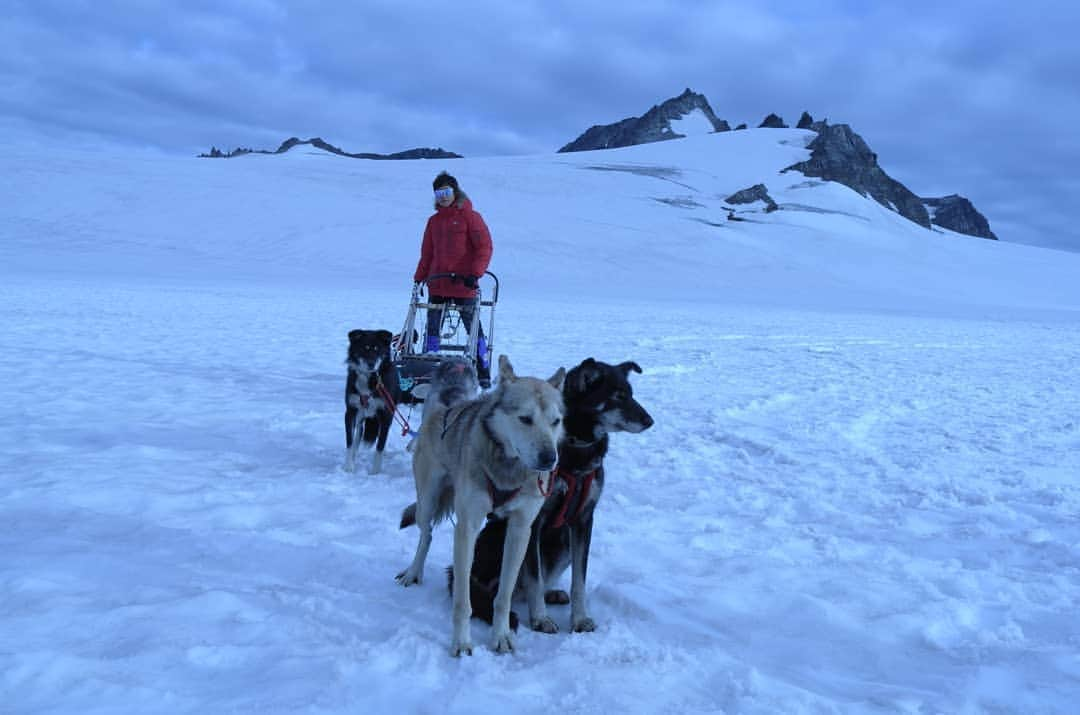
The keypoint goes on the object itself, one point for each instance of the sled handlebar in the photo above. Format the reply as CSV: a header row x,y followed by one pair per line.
x,y
462,277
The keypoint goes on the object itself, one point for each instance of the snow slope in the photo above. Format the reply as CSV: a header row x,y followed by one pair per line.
x,y
860,494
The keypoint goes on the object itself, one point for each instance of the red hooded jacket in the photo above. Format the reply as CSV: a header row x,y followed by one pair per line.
x,y
456,240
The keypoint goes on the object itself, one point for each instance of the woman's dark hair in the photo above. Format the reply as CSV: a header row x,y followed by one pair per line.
x,y
444,179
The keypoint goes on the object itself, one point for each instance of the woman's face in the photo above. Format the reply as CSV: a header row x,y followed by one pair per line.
x,y
444,195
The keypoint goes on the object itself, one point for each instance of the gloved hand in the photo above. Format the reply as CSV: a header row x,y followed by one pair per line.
x,y
469,281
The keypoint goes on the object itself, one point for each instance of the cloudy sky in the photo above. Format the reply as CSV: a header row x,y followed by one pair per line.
x,y
974,98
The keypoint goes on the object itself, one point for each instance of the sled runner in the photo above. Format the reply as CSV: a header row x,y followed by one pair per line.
x,y
416,357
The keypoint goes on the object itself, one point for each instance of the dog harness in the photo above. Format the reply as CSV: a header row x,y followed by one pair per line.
x,y
502,496
576,496
400,418
578,481
375,387
447,422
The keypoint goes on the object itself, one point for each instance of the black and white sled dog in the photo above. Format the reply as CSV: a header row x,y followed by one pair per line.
x,y
490,455
372,391
599,400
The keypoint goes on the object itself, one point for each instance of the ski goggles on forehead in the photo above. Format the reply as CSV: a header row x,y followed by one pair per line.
x,y
444,193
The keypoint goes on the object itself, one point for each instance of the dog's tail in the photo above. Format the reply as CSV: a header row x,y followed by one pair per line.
x,y
443,509
408,516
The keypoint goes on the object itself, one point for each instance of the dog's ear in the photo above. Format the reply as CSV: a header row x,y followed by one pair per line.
x,y
384,336
585,375
557,379
629,365
355,334
506,370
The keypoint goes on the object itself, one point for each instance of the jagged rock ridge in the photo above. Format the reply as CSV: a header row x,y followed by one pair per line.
x,y
839,154
956,213
653,126
317,142
773,121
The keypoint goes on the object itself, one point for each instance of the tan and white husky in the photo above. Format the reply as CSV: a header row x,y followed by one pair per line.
x,y
491,455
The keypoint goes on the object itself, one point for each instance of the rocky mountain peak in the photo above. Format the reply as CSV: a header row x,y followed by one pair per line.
x,y
655,125
839,154
773,121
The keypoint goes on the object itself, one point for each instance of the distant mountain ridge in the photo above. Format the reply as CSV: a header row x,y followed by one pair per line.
x,y
319,143
837,154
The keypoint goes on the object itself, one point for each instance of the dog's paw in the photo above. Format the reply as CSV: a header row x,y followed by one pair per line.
x,y
408,578
503,643
544,625
584,625
459,649
557,597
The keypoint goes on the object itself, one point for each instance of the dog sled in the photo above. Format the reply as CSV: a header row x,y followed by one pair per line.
x,y
416,356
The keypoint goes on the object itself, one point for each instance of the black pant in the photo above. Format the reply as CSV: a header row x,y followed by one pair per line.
x,y
465,306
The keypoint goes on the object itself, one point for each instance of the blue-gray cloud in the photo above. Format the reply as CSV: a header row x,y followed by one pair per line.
x,y
970,97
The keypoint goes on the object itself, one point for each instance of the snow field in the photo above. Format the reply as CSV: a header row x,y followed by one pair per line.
x,y
835,512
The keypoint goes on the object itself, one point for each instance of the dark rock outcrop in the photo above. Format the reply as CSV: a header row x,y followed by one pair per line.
x,y
653,126
741,127
839,154
317,142
956,213
772,122
421,153
757,192
216,153
805,121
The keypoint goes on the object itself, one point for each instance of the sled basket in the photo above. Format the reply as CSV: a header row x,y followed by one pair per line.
x,y
416,357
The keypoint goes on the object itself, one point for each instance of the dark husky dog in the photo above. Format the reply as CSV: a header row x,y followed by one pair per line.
x,y
598,400
371,393
454,380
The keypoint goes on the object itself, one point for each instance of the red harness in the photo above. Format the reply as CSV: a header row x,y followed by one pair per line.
x,y
385,394
572,487
500,497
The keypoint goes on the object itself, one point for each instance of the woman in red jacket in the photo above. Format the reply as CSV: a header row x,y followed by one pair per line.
x,y
456,240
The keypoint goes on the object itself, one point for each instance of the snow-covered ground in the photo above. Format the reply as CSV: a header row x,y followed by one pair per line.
x,y
860,494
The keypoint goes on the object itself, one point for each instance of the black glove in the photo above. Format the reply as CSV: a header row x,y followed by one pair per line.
x,y
469,281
